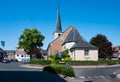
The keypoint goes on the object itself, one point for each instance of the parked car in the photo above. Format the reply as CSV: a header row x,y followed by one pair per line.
x,y
25,61
5,60
14,60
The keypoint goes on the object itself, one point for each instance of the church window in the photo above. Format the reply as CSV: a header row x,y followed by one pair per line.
x,y
86,52
59,35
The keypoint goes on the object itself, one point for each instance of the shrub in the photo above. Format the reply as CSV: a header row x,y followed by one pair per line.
x,y
83,62
65,54
68,59
49,69
53,61
61,69
111,62
43,62
100,62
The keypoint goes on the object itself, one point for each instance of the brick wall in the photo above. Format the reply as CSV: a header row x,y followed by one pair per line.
x,y
56,45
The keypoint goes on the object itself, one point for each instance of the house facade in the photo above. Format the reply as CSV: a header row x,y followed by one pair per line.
x,y
70,39
116,52
10,54
2,54
21,55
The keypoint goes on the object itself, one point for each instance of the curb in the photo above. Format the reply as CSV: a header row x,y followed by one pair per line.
x,y
96,66
32,66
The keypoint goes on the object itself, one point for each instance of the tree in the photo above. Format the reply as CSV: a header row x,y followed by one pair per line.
x,y
98,40
105,50
30,40
103,44
65,54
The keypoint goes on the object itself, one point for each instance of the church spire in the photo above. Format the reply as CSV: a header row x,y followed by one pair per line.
x,y
58,23
58,30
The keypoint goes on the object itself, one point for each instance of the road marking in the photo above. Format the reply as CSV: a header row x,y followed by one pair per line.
x,y
89,77
94,77
101,76
107,77
81,77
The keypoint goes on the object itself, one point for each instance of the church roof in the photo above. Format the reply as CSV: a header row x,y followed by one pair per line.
x,y
74,36
58,23
84,45
81,43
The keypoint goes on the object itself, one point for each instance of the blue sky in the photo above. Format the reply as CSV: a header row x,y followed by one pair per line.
x,y
90,17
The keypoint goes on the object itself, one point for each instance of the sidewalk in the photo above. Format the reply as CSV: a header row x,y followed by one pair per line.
x,y
95,66
81,66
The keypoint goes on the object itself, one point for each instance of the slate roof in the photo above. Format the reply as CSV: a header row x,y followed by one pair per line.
x,y
10,51
74,36
81,43
1,50
58,23
84,45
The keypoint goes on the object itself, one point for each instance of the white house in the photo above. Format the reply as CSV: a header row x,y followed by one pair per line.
x,y
21,55
79,48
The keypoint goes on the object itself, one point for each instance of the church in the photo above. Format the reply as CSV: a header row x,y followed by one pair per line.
x,y
79,48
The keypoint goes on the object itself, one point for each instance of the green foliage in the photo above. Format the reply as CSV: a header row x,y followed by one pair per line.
x,y
42,62
98,40
62,69
30,40
83,62
104,46
111,62
54,61
100,62
65,54
67,59
57,57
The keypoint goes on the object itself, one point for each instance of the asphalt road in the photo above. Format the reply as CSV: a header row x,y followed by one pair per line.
x,y
16,66
102,72
18,72
13,72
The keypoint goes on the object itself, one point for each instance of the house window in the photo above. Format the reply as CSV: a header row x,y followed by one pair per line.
x,y
21,55
86,52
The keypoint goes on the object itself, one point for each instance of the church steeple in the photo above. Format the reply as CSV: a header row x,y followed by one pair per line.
x,y
58,23
58,30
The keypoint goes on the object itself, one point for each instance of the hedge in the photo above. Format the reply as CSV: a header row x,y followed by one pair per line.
x,y
60,69
43,62
100,62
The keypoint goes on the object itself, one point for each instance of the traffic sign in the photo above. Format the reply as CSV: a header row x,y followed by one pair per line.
x,y
3,43
68,64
